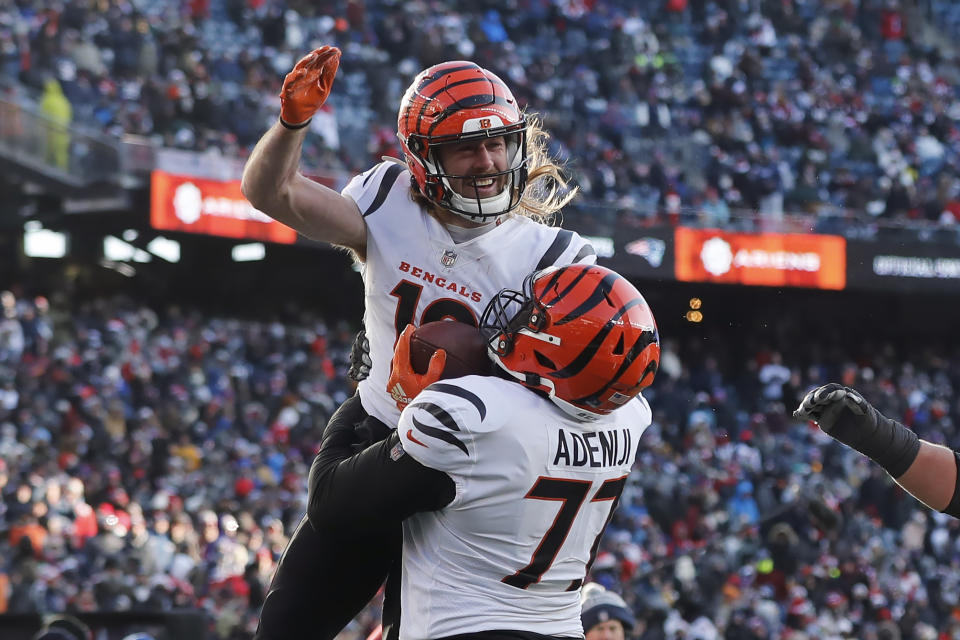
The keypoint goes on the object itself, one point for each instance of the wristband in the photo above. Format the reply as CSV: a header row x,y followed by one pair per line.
x,y
294,127
891,445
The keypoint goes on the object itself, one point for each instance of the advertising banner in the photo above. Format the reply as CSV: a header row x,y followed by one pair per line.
x,y
764,259
199,205
907,267
641,253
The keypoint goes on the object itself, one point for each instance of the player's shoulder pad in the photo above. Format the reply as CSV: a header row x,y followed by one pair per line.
x,y
566,247
371,188
441,426
642,414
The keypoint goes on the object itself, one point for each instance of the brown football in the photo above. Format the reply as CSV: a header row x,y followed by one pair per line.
x,y
465,347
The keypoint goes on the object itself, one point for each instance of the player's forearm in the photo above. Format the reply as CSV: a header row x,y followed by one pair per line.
x,y
272,166
381,485
932,478
927,471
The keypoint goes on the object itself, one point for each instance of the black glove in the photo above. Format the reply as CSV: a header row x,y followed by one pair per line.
x,y
844,415
360,361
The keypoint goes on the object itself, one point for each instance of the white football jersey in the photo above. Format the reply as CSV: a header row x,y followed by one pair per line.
x,y
535,489
414,272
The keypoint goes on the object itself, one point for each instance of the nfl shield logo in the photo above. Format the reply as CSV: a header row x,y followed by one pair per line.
x,y
448,258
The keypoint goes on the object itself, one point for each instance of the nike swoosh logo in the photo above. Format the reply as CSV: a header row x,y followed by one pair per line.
x,y
412,439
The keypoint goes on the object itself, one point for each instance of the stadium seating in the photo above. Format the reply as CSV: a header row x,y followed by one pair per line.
x,y
154,458
812,106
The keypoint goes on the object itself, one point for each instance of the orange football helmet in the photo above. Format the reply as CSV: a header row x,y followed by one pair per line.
x,y
582,334
455,102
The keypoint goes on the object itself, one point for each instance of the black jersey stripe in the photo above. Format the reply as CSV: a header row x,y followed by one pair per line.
x,y
441,414
439,434
556,249
460,392
598,295
586,251
389,179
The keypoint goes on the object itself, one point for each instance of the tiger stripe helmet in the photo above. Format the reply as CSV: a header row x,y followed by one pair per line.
x,y
582,334
455,102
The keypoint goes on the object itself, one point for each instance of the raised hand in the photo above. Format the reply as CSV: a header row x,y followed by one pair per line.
x,y
307,86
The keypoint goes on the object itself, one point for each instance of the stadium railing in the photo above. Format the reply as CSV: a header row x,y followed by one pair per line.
x,y
69,154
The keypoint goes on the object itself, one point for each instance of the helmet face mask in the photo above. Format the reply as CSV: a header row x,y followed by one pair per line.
x,y
509,313
455,103
581,334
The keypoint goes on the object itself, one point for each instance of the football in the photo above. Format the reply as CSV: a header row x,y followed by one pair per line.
x,y
465,347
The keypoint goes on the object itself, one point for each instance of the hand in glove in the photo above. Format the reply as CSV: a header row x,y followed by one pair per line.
x,y
846,416
360,361
404,383
307,86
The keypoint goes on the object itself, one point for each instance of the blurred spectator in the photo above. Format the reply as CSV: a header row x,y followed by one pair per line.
x,y
778,108
144,419
604,614
714,212
122,439
59,114
750,524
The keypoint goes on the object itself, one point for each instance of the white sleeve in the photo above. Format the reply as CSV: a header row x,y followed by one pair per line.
x,y
371,188
441,427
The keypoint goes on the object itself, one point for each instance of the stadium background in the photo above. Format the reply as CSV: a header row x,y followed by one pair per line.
x,y
778,178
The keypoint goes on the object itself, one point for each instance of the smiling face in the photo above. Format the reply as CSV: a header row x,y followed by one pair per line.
x,y
474,159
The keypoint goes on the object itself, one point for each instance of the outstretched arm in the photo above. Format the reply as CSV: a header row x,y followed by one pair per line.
x,y
271,181
926,470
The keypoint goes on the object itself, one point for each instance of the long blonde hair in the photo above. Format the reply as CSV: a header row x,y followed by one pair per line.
x,y
546,191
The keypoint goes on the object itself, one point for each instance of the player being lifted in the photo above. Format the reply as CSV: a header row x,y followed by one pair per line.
x,y
507,482
437,237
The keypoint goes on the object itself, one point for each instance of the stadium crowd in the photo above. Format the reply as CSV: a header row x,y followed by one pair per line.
x,y
667,109
155,458
150,461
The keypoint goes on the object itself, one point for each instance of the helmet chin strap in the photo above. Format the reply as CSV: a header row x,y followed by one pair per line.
x,y
472,208
497,203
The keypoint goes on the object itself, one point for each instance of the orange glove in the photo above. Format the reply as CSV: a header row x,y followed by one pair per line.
x,y
404,383
307,86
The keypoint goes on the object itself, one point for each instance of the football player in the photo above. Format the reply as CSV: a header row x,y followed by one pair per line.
x,y
437,236
928,471
506,483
